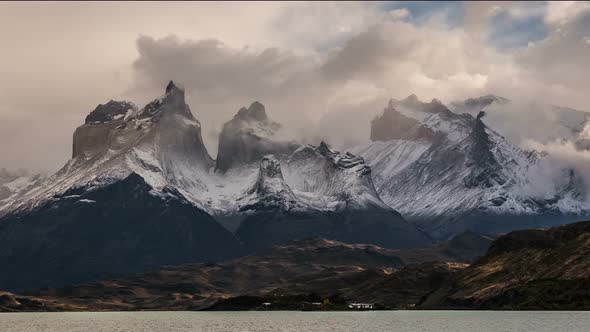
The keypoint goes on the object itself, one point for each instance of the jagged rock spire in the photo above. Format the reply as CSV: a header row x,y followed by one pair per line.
x,y
173,100
174,92
412,102
324,148
249,136
270,190
270,168
411,99
480,115
171,86
255,112
485,171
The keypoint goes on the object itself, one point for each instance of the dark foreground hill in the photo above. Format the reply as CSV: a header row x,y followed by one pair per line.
x,y
307,269
525,270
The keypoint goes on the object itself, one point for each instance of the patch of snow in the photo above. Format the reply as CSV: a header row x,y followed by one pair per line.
x,y
86,201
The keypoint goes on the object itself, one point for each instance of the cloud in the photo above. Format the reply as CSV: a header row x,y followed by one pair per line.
x,y
214,71
430,60
331,96
219,79
450,13
322,69
563,168
321,26
563,12
400,13
560,63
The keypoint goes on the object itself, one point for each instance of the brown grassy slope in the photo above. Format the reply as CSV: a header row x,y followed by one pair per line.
x,y
529,269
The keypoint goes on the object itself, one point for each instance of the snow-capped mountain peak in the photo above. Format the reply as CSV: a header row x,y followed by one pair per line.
x,y
331,180
256,112
161,142
270,190
467,176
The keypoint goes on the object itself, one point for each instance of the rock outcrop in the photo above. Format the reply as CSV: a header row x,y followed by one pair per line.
x,y
485,169
248,137
270,192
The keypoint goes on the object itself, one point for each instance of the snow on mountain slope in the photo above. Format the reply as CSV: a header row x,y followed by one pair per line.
x,y
466,176
337,201
270,192
388,158
15,184
330,180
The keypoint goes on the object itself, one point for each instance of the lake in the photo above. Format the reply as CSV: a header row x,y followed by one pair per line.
x,y
297,321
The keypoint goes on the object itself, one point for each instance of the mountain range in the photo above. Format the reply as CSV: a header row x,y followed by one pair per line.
x,y
448,172
141,190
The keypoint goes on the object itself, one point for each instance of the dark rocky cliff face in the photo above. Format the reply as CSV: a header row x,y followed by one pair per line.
x,y
114,230
485,170
392,124
110,111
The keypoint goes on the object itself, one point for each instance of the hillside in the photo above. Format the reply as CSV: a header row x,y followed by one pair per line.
x,y
526,270
311,268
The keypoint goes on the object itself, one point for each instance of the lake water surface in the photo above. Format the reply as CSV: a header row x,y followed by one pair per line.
x,y
297,321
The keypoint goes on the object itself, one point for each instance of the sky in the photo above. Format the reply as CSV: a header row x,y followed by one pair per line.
x,y
322,69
